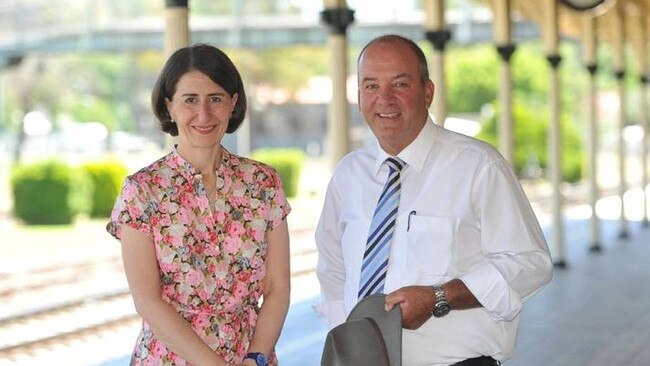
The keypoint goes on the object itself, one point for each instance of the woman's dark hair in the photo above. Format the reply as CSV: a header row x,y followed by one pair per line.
x,y
210,61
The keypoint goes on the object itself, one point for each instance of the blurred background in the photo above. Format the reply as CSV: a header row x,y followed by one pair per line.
x,y
75,119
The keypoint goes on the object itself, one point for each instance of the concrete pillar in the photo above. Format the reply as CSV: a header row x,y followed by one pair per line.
x,y
550,38
337,16
618,50
641,51
591,64
645,123
243,134
505,48
177,35
438,35
177,31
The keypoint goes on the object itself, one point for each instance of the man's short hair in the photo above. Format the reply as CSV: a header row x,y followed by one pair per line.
x,y
423,66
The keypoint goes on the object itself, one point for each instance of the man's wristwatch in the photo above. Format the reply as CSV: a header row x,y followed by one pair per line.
x,y
258,357
441,308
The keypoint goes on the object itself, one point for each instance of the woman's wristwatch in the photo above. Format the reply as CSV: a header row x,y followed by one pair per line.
x,y
258,357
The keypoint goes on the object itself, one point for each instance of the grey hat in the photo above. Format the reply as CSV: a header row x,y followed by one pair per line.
x,y
370,336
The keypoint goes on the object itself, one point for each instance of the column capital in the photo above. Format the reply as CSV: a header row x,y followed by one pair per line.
x,y
592,68
438,38
620,74
176,3
506,51
554,60
337,19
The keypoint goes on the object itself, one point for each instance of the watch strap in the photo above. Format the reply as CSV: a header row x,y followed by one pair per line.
x,y
441,307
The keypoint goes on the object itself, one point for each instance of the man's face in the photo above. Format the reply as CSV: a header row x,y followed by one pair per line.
x,y
392,98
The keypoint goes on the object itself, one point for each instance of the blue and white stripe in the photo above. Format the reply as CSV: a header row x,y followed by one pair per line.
x,y
375,258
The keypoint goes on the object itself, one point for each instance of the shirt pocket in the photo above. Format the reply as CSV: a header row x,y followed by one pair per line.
x,y
430,240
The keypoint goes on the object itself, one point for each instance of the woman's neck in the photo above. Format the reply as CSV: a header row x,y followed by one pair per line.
x,y
204,160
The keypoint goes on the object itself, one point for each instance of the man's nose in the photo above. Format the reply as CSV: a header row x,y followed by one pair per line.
x,y
386,95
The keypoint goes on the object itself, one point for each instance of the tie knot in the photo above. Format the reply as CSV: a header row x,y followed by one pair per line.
x,y
395,163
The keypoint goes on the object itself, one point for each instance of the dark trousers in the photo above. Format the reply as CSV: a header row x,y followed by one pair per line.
x,y
478,361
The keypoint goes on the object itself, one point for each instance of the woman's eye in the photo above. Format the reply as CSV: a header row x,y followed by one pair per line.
x,y
216,98
190,100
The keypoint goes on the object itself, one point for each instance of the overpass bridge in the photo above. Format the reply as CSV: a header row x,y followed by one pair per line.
x,y
132,34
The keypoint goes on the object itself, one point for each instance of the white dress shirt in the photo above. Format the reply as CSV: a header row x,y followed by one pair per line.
x,y
462,214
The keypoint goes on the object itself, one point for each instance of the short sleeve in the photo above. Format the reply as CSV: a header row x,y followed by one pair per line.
x,y
133,208
278,205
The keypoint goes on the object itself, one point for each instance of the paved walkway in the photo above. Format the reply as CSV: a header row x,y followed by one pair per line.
x,y
595,312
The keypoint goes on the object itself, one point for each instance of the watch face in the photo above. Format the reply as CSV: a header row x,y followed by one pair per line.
x,y
260,359
441,310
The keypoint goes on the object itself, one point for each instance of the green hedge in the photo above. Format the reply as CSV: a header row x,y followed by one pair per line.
x,y
106,177
531,141
49,192
288,162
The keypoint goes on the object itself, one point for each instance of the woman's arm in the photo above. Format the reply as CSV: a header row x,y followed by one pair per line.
x,y
142,273
276,292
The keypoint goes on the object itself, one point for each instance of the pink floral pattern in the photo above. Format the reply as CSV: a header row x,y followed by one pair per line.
x,y
211,259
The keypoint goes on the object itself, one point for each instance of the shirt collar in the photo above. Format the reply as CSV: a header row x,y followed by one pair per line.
x,y
174,159
415,154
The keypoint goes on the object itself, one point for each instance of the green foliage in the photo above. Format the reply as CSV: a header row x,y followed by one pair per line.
x,y
288,162
292,68
530,75
92,109
106,177
49,192
531,141
473,81
472,75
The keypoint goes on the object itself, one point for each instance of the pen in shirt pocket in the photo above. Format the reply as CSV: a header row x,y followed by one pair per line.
x,y
408,221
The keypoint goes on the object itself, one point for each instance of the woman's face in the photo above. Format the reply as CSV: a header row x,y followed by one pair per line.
x,y
201,109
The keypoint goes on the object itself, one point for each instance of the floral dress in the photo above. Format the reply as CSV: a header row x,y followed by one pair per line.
x,y
211,259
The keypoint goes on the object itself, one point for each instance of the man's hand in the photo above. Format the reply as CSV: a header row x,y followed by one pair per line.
x,y
416,303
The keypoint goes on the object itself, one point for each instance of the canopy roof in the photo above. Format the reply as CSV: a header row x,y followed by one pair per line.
x,y
616,21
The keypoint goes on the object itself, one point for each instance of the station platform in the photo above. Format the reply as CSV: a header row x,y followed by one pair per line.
x,y
594,312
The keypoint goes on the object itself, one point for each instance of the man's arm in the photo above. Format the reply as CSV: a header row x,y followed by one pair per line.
x,y
418,302
330,268
517,261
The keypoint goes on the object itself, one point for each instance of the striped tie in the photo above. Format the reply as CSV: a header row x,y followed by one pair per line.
x,y
375,258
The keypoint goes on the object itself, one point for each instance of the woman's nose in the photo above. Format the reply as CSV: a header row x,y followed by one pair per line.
x,y
204,110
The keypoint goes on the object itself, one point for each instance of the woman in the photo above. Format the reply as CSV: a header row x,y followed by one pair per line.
x,y
203,231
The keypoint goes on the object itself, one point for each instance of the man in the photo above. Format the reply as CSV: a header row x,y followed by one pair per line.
x,y
452,240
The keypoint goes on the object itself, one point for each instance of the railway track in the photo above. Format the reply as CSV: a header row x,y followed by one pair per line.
x,y
58,314
54,310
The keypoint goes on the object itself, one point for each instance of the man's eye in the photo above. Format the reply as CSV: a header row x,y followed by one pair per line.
x,y
370,87
401,84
